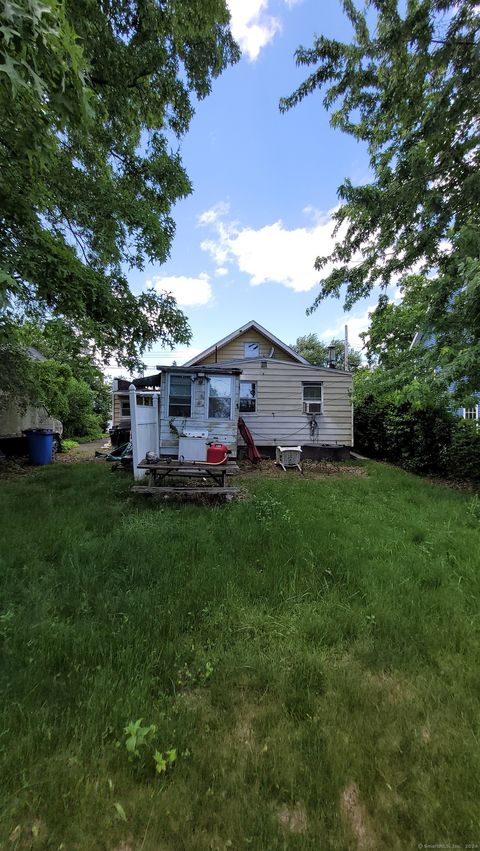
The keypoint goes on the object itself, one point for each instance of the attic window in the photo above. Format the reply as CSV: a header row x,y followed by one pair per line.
x,y
251,350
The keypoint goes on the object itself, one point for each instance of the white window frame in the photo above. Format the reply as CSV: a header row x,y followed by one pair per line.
x,y
471,413
246,346
207,399
179,416
251,398
308,405
122,403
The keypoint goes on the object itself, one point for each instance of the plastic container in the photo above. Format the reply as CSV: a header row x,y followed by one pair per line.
x,y
216,453
40,445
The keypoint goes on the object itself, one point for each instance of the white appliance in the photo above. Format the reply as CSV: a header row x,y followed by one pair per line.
x,y
192,445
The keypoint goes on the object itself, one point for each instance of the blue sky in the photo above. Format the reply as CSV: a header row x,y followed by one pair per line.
x,y
264,188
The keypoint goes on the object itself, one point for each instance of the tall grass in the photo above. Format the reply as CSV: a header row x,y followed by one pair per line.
x,y
319,634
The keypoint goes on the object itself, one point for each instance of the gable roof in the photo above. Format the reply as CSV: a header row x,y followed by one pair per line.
x,y
249,325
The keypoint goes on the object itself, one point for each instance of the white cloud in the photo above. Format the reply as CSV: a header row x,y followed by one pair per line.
x,y
251,26
356,322
221,271
274,253
209,217
217,249
187,291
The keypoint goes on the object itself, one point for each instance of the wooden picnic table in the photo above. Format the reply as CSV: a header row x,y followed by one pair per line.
x,y
190,469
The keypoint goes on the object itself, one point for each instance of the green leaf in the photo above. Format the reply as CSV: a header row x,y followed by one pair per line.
x,y
131,744
120,811
9,67
8,33
160,762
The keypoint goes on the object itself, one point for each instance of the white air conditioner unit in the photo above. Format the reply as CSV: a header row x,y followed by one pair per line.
x,y
312,407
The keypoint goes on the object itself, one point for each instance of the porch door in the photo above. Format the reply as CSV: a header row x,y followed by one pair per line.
x,y
145,427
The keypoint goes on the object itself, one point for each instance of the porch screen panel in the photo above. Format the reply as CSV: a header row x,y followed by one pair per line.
x,y
180,399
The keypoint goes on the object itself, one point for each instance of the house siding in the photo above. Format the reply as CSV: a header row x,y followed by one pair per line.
x,y
234,350
279,418
117,407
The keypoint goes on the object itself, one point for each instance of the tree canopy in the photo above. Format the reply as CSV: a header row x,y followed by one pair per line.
x,y
69,383
316,352
94,97
408,85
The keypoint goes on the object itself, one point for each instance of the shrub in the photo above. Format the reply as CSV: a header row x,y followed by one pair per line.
x,y
414,437
462,457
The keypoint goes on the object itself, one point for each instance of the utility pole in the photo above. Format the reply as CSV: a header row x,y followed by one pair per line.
x,y
345,350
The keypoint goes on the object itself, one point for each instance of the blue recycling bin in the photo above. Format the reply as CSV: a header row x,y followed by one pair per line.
x,y
40,445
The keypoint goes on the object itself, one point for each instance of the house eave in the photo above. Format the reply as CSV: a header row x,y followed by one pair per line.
x,y
237,333
244,362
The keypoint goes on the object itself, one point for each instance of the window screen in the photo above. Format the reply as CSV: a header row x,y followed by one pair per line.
x,y
180,399
312,398
220,397
248,397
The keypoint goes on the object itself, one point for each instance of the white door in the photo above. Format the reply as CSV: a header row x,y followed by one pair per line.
x,y
145,426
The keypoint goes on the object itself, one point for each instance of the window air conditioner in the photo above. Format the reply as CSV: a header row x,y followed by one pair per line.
x,y
312,407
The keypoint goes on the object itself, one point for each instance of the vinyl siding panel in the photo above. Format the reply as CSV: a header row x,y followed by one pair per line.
x,y
279,416
235,350
117,407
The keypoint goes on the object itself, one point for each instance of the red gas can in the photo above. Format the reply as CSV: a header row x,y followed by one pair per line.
x,y
216,453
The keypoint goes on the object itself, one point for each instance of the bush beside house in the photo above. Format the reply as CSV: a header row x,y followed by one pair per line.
x,y
422,435
83,407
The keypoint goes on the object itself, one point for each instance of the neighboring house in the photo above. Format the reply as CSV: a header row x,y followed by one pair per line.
x,y
121,420
15,419
470,413
283,399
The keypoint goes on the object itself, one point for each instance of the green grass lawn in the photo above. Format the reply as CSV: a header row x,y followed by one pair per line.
x,y
309,658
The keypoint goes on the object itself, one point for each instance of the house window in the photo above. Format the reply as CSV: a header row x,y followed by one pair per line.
x,y
471,413
145,401
125,407
248,397
251,350
180,399
312,398
220,397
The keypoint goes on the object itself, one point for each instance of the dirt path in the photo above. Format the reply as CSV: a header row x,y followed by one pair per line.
x,y
84,452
